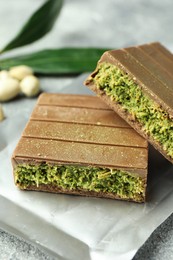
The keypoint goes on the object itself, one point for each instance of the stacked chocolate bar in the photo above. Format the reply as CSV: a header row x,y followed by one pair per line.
x,y
137,83
78,145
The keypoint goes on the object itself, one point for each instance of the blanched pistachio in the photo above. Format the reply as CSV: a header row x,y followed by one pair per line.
x,y
9,88
30,86
20,72
4,74
1,113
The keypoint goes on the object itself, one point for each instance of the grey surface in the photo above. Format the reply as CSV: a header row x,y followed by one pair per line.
x,y
14,248
159,246
112,23
102,23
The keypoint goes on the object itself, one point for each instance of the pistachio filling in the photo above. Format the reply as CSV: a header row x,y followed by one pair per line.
x,y
154,120
124,184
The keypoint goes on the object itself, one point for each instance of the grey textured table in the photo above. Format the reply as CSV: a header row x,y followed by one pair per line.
x,y
101,23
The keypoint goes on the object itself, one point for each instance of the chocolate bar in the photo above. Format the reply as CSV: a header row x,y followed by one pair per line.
x,y
76,144
137,82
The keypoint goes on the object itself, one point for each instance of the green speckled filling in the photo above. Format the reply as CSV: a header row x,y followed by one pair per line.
x,y
154,120
124,184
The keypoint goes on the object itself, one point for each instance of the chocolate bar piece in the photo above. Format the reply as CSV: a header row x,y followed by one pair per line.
x,y
137,82
76,144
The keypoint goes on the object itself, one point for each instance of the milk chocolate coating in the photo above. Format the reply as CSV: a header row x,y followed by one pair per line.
x,y
151,67
80,130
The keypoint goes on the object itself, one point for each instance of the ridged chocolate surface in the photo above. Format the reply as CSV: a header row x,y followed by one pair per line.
x,y
82,130
150,83
151,67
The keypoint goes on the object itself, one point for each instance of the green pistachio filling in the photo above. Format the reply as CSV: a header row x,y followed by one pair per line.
x,y
123,90
124,184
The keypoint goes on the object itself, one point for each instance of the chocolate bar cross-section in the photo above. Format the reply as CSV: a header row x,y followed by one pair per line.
x,y
137,82
75,144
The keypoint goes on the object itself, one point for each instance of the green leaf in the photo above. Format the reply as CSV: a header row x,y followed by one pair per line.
x,y
57,61
40,23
